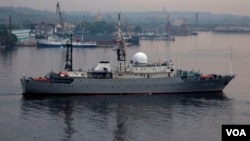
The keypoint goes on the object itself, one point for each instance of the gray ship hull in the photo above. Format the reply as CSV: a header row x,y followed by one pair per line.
x,y
137,77
124,86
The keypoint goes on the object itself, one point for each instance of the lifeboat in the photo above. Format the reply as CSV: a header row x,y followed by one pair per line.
x,y
63,74
206,76
40,79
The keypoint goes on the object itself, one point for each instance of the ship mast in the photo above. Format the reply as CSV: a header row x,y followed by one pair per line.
x,y
121,52
69,55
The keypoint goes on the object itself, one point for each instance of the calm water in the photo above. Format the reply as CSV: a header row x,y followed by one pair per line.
x,y
184,117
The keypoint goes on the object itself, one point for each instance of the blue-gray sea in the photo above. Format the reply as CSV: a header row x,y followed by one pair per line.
x,y
173,117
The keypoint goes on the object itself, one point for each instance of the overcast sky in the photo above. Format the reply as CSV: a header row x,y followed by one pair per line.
x,y
236,7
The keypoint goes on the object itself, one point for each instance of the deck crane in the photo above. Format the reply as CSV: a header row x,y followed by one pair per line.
x,y
58,11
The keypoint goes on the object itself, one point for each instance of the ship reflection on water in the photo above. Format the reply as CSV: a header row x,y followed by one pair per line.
x,y
118,118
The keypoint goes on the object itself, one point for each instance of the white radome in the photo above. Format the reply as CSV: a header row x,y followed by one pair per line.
x,y
140,58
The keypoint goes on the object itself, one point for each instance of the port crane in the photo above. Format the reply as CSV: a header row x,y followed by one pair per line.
x,y
58,11
167,18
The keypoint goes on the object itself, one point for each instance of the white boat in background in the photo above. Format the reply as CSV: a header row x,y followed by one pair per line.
x,y
60,39
50,42
57,42
157,36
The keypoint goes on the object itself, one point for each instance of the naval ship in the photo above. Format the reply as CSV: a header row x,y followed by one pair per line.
x,y
136,77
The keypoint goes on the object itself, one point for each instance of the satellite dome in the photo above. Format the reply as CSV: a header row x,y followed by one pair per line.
x,y
140,58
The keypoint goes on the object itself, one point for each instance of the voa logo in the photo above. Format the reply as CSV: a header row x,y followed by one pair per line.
x,y
236,132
